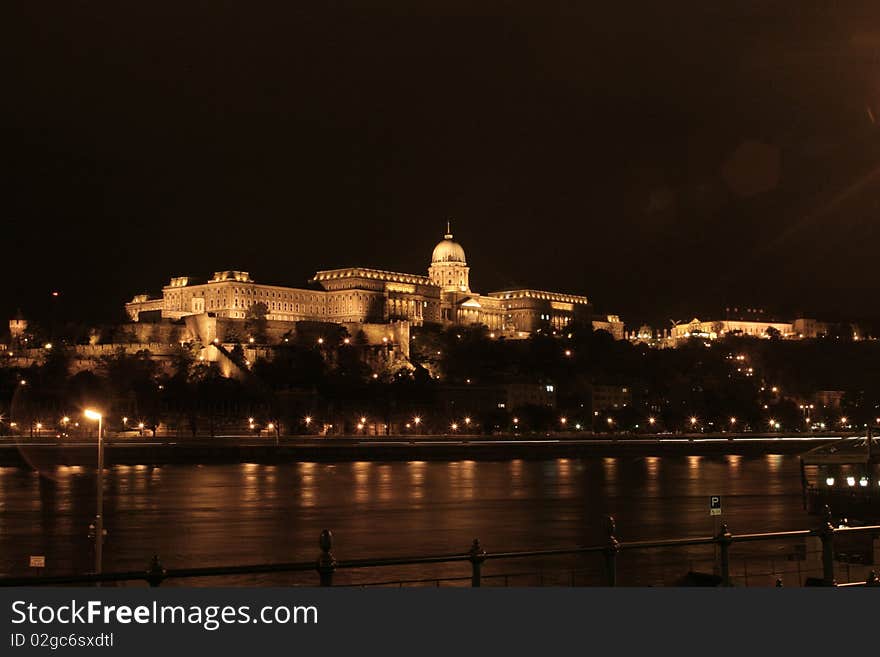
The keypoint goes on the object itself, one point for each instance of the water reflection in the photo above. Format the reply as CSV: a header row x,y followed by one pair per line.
x,y
226,514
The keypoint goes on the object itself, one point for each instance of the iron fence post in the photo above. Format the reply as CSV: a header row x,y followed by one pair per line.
x,y
826,535
326,564
477,557
611,550
155,572
724,539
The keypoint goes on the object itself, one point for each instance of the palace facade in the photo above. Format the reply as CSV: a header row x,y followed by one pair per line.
x,y
364,295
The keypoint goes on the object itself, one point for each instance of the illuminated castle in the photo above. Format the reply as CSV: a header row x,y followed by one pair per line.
x,y
363,295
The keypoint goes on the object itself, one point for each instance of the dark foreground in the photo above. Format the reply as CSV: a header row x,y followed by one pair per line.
x,y
227,514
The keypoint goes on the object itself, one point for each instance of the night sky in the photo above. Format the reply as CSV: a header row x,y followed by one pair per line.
x,y
662,158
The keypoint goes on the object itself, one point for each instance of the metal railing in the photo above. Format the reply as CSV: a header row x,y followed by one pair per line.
x,y
326,565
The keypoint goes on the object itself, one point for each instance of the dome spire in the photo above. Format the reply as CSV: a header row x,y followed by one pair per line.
x,y
448,235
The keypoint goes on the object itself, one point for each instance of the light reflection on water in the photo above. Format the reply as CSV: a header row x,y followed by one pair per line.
x,y
249,513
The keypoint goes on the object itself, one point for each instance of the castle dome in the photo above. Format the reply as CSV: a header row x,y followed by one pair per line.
x,y
448,250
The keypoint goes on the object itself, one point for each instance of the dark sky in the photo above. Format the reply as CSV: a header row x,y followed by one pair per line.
x,y
662,158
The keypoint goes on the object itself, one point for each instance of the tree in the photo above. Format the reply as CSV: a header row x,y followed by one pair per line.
x,y
255,321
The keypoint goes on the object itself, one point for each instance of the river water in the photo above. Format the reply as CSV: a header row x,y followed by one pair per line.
x,y
194,515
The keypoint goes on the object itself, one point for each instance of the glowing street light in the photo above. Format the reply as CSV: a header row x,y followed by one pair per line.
x,y
92,414
693,421
454,426
467,421
652,421
563,421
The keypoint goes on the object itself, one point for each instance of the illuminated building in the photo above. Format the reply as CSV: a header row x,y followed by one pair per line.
x,y
718,328
365,295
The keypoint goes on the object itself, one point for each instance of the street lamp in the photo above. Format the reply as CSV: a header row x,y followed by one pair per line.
x,y
92,414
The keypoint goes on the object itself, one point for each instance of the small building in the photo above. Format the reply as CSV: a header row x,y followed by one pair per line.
x,y
609,397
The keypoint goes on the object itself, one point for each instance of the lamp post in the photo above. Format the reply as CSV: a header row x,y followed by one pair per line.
x,y
99,517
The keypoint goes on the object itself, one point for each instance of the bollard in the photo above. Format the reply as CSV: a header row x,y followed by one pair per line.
x,y
477,557
826,534
155,573
724,539
611,550
326,564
